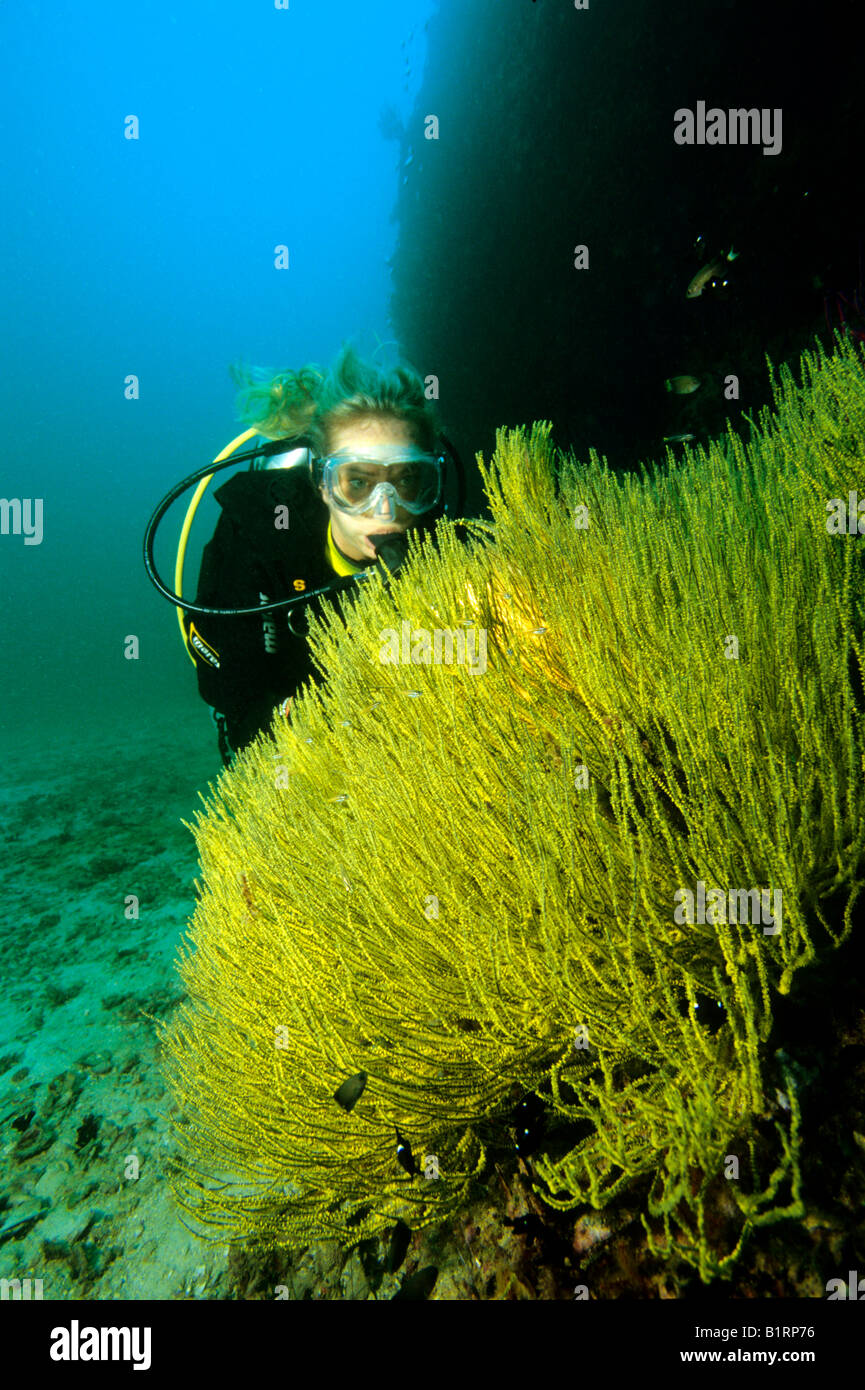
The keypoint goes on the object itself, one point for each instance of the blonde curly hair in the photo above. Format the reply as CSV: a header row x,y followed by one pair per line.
x,y
312,402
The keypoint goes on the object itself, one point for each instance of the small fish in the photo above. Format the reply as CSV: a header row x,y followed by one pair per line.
x,y
404,1155
678,438
350,1092
682,385
709,271
419,1285
399,1243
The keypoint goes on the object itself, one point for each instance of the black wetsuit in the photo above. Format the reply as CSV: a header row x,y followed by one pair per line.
x,y
246,666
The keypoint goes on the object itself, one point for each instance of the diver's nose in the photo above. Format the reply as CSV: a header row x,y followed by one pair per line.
x,y
386,505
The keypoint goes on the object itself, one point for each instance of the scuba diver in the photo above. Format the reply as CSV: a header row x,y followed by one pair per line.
x,y
355,460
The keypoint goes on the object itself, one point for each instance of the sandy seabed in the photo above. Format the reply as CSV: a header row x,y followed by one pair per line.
x,y
85,825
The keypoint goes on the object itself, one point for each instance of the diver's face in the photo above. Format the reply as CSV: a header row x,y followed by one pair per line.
x,y
352,533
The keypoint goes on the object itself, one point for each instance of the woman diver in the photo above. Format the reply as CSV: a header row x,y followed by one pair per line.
x,y
365,464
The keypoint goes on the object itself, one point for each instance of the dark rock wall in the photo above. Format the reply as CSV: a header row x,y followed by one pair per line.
x,y
556,128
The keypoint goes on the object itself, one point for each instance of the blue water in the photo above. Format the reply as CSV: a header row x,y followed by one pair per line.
x,y
154,257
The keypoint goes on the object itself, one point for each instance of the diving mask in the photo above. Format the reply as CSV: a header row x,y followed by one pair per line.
x,y
359,481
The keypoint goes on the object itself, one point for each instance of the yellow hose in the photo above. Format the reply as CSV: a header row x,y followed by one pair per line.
x,y
187,526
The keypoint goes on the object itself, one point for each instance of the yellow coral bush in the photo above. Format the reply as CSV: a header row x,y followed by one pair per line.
x,y
469,884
